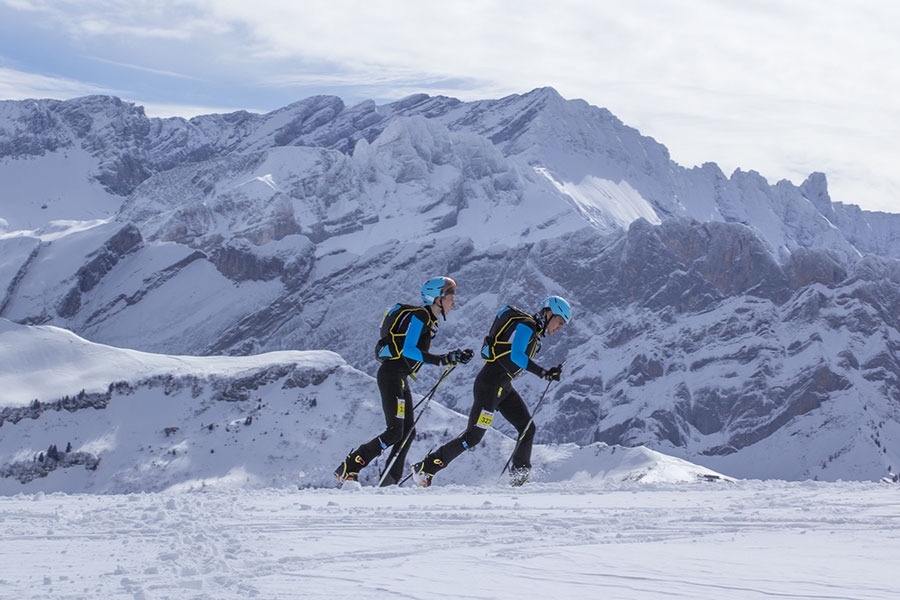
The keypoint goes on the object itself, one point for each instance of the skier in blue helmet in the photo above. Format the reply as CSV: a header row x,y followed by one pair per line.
x,y
435,290
558,307
509,349
406,333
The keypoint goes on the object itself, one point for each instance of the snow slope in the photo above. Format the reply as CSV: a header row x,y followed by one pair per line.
x,y
52,187
49,362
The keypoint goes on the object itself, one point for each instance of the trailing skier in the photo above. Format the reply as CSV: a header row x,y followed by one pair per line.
x,y
406,333
509,348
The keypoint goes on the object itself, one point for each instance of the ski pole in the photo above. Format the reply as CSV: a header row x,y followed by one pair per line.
x,y
530,421
405,479
395,452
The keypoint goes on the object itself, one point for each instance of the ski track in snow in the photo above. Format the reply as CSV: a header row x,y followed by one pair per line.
x,y
748,540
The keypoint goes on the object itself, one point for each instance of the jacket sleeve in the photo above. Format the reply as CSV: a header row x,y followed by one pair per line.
x,y
521,340
417,336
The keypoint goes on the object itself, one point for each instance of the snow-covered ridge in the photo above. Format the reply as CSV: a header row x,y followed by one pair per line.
x,y
47,362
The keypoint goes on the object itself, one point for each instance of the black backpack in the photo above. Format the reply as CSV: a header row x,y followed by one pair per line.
x,y
496,342
393,331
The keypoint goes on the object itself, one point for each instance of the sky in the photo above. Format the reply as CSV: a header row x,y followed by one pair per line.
x,y
782,88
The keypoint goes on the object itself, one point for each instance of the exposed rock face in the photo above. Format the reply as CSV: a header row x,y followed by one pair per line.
x,y
78,401
239,265
127,240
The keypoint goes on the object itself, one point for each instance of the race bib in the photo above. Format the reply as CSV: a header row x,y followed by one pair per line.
x,y
484,419
401,408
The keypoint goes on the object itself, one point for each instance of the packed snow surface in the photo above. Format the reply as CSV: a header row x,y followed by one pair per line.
x,y
746,540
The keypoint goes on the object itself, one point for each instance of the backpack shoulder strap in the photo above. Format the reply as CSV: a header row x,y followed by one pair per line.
x,y
496,343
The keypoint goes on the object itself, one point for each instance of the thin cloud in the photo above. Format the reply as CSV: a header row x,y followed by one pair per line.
x,y
143,69
140,18
18,85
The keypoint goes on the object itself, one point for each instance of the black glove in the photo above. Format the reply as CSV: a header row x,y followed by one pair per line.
x,y
553,373
454,357
451,358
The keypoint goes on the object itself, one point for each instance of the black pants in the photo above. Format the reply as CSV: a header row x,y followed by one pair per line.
x,y
396,401
493,392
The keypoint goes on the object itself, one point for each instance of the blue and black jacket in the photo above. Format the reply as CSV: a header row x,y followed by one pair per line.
x,y
406,334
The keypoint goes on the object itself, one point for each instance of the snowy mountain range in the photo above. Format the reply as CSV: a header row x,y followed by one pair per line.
x,y
747,327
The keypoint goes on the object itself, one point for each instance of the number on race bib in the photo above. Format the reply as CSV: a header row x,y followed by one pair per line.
x,y
484,419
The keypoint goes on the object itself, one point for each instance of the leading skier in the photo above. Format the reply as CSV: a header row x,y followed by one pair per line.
x,y
508,351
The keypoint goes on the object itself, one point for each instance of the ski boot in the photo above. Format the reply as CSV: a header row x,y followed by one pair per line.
x,y
349,469
519,476
419,476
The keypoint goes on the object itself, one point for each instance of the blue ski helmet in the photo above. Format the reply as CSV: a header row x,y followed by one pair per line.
x,y
558,306
437,287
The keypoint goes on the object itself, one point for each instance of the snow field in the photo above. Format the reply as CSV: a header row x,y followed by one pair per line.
x,y
745,540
